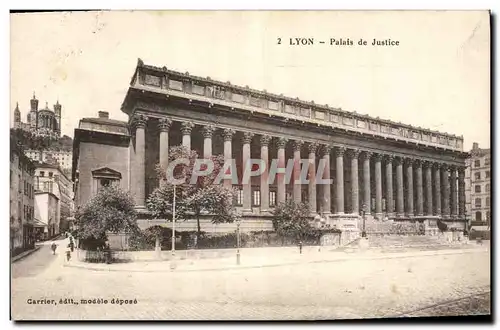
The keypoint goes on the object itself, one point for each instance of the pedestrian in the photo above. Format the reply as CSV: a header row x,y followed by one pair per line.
x,y
300,246
71,243
53,246
68,252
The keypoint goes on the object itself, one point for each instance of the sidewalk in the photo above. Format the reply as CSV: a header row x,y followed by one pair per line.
x,y
25,254
290,258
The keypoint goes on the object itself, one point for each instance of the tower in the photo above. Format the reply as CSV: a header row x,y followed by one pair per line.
x,y
57,110
17,116
33,116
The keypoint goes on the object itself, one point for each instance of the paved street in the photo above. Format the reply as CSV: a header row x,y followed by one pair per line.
x,y
347,289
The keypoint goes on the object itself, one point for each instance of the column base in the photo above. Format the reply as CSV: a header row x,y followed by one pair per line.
x,y
400,215
445,216
246,211
379,216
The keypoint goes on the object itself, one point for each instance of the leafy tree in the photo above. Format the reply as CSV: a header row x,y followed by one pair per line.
x,y
292,220
111,210
204,196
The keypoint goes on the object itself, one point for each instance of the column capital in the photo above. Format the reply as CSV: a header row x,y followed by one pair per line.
x,y
398,160
186,127
325,149
281,142
389,158
417,163
139,120
427,164
354,153
228,133
445,167
339,151
367,154
408,161
453,168
461,170
264,140
377,157
247,137
313,147
436,166
208,131
297,145
164,124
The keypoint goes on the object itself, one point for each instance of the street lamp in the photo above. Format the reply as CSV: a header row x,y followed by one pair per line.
x,y
172,263
238,241
363,212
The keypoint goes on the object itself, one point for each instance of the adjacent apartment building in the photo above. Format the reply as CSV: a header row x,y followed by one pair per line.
x,y
22,206
478,185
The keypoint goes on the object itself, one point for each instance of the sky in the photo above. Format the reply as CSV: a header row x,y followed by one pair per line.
x,y
438,77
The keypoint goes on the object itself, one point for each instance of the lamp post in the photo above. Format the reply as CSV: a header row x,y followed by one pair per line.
x,y
363,212
238,241
172,264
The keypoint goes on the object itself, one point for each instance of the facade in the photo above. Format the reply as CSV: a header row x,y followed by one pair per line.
x,y
50,178
45,122
478,182
389,170
62,157
47,209
22,206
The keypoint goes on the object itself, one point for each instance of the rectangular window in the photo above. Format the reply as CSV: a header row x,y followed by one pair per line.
x,y
272,198
42,174
477,188
486,161
477,176
50,174
477,202
11,179
487,202
487,187
487,174
256,197
477,163
239,197
19,183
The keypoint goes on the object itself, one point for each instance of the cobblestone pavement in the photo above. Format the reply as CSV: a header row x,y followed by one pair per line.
x,y
347,289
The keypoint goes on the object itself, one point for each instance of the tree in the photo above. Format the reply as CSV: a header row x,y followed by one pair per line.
x,y
292,220
204,196
111,210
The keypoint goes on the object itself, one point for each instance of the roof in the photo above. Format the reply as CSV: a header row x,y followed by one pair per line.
x,y
264,93
105,121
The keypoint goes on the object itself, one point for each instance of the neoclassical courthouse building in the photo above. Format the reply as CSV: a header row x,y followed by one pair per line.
x,y
387,169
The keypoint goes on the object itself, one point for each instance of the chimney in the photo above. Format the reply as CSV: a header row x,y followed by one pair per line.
x,y
475,146
104,114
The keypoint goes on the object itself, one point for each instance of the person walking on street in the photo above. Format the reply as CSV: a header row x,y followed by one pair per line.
x,y
53,246
68,252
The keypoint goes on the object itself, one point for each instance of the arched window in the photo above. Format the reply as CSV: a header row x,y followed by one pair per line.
x,y
478,216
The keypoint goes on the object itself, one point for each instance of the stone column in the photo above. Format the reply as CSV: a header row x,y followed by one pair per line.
x,y
297,186
429,208
437,189
228,152
378,186
264,183
164,125
454,192
313,147
409,187
389,195
400,209
366,182
139,183
339,161
207,131
247,184
186,129
445,184
461,192
420,189
326,206
354,181
281,164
